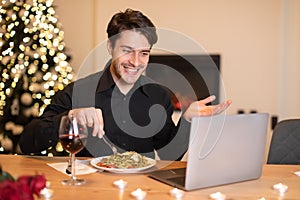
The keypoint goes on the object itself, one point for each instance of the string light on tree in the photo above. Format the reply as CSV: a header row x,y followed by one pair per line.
x,y
33,62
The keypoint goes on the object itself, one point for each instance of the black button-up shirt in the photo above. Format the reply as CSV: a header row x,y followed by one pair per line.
x,y
138,121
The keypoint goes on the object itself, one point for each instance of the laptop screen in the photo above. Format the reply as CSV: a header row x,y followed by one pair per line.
x,y
223,149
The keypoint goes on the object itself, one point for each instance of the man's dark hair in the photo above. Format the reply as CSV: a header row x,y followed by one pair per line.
x,y
131,20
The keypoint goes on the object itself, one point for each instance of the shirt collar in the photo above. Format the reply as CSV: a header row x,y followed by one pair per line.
x,y
106,81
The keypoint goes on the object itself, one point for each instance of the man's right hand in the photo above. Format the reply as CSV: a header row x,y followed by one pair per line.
x,y
92,117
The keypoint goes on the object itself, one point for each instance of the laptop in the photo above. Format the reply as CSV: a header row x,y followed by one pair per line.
x,y
223,149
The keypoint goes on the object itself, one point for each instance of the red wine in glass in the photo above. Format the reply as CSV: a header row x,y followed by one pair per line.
x,y
73,137
73,143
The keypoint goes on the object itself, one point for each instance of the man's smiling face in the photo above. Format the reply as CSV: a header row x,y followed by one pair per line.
x,y
130,56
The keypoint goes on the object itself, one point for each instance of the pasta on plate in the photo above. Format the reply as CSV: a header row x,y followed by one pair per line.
x,y
126,160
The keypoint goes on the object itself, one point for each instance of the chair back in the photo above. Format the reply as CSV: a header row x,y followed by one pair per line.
x,y
285,143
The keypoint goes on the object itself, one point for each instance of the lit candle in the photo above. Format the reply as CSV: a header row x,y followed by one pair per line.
x,y
217,196
178,194
281,188
46,193
139,194
297,173
121,184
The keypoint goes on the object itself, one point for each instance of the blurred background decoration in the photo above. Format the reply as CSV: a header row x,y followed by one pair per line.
x,y
33,65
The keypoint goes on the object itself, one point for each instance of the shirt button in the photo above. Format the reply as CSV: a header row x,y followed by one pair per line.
x,y
123,121
124,99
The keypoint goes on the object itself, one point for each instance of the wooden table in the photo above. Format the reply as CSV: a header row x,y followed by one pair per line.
x,y
100,185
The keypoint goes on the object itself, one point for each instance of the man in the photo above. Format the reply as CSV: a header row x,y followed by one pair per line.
x,y
119,103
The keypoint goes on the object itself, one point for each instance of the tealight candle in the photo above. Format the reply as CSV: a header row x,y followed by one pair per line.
x,y
46,193
281,188
297,173
218,196
139,194
178,194
121,184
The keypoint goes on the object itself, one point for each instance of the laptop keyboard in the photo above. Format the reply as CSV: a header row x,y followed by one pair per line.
x,y
178,180
173,177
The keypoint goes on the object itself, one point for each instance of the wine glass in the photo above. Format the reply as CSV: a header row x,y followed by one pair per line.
x,y
73,137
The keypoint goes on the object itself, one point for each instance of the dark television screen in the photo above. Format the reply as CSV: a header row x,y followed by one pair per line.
x,y
191,77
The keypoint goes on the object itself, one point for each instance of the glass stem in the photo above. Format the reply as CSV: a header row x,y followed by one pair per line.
x,y
73,167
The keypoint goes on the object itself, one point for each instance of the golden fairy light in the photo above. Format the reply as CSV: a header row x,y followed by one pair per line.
x,y
42,40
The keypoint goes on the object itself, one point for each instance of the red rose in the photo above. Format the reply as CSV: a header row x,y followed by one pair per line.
x,y
23,183
9,191
24,180
37,183
22,189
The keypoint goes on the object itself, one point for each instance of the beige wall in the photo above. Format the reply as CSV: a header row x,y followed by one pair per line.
x,y
258,41
289,89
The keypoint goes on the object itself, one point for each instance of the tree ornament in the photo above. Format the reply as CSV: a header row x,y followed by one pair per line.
x,y
26,99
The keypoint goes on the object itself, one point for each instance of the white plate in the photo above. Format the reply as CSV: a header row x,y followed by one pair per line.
x,y
118,170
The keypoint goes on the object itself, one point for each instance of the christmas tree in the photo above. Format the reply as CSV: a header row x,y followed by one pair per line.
x,y
33,64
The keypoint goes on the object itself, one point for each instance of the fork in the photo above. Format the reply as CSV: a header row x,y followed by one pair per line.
x,y
112,147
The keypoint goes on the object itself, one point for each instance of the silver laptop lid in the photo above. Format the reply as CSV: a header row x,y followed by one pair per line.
x,y
225,149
